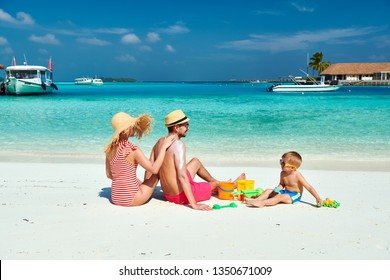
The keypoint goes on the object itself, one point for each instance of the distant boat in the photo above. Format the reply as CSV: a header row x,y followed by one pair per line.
x,y
28,79
83,81
300,85
97,82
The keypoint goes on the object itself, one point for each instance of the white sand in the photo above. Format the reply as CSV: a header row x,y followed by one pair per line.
x,y
60,211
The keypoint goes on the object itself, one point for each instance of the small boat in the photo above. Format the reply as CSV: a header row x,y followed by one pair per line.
x,y
97,82
83,81
28,79
299,86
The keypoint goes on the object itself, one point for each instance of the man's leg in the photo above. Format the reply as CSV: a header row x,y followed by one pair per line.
x,y
195,167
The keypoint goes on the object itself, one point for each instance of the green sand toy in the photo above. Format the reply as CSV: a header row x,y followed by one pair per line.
x,y
248,193
330,203
231,205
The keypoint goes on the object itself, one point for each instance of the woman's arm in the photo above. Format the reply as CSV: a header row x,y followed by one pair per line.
x,y
108,169
152,167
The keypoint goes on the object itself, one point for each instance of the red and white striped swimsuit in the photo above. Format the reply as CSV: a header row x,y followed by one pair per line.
x,y
125,184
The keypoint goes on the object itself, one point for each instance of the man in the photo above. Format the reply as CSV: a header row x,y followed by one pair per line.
x,y
176,175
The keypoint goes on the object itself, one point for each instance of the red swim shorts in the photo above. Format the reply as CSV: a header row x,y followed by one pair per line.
x,y
201,191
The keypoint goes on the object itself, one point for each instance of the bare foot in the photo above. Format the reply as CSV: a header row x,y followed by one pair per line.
x,y
214,185
241,177
255,202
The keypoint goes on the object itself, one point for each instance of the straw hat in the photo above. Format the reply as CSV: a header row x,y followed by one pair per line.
x,y
122,121
175,117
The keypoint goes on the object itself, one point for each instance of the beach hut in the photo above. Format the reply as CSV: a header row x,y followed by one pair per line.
x,y
358,72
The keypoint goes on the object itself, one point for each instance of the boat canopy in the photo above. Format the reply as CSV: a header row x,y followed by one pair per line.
x,y
28,72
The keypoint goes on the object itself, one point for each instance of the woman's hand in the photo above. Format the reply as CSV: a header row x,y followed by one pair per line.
x,y
168,141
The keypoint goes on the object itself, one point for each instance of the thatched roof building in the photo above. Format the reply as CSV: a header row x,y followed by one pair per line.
x,y
358,71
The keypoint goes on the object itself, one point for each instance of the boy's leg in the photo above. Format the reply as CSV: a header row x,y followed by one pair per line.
x,y
263,196
279,198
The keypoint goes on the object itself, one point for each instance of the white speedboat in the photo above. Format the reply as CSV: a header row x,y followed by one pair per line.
x,y
297,86
28,79
83,81
97,82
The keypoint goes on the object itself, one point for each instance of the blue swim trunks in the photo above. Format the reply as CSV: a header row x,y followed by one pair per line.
x,y
295,196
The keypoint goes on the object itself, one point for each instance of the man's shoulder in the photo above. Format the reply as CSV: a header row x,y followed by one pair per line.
x,y
179,143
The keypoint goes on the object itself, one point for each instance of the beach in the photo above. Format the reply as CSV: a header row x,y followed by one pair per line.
x,y
61,211
55,207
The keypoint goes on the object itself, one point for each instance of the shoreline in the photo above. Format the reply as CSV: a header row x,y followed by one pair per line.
x,y
61,211
382,165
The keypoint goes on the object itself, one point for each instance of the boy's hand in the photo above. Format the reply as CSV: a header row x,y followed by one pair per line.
x,y
320,203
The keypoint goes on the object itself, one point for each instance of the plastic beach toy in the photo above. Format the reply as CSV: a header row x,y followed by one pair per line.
x,y
331,203
231,205
245,185
225,190
248,193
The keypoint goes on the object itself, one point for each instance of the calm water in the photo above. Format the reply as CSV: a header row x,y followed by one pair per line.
x,y
230,122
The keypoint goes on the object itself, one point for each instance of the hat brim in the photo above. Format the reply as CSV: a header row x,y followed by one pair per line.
x,y
177,122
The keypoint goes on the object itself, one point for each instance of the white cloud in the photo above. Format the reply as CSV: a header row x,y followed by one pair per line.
x,y
6,17
145,48
297,41
130,39
6,50
93,41
25,18
169,48
43,51
113,30
302,9
383,41
126,58
3,41
21,18
376,57
153,37
48,39
267,13
178,28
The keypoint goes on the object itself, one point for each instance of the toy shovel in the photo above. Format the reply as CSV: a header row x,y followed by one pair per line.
x,y
231,205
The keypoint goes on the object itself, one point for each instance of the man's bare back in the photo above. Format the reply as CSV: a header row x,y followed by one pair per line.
x,y
167,173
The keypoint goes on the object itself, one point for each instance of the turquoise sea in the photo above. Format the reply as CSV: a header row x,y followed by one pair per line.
x,y
231,123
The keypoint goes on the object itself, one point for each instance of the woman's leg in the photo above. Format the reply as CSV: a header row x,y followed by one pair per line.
x,y
146,190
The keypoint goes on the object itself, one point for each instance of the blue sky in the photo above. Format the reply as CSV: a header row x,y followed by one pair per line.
x,y
191,40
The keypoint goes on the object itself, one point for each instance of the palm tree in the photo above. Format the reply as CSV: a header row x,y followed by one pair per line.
x,y
317,64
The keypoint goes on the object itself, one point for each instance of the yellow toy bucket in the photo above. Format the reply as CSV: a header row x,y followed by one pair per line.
x,y
225,190
245,185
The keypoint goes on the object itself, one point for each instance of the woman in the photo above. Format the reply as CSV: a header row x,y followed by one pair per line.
x,y
123,157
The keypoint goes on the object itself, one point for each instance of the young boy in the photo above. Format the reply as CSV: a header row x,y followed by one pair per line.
x,y
290,187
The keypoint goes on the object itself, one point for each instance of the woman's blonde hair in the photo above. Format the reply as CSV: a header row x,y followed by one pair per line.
x,y
121,122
